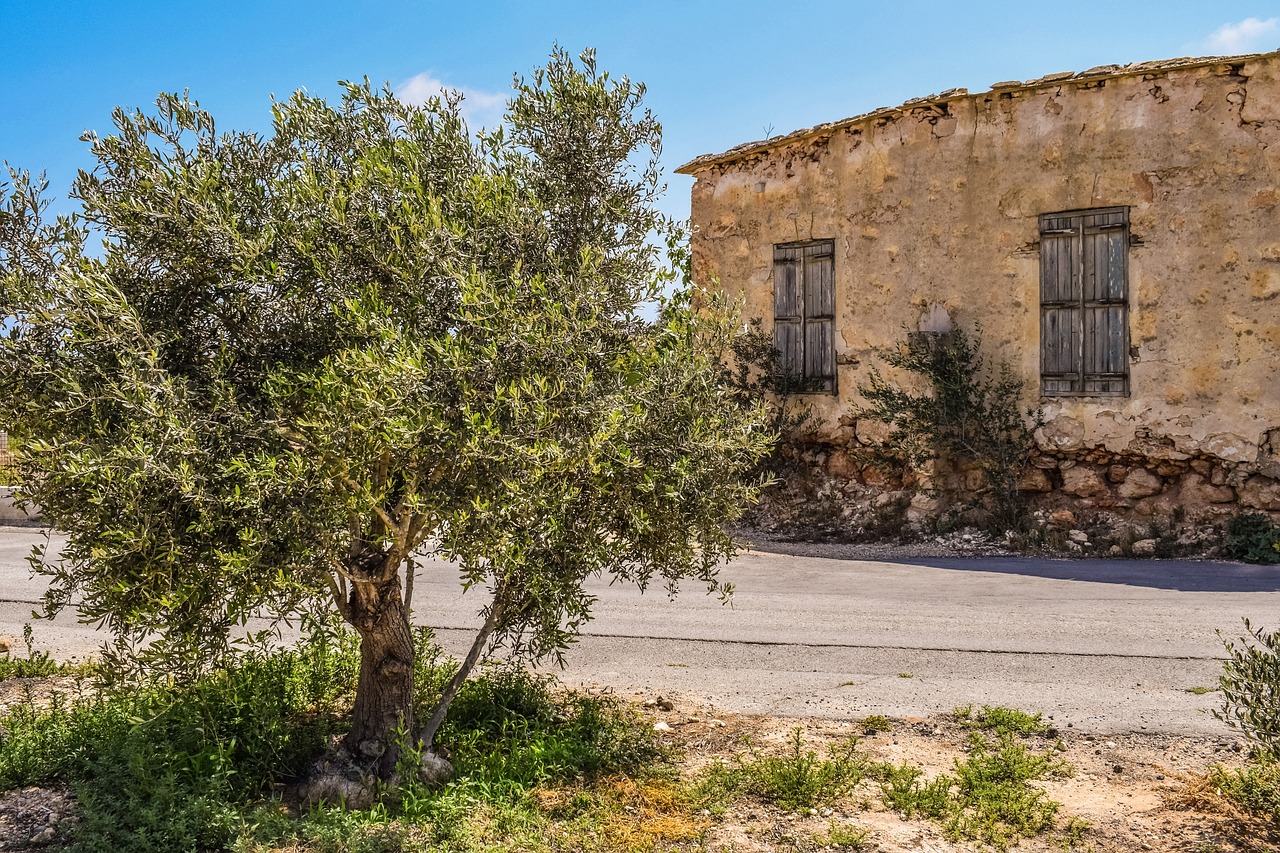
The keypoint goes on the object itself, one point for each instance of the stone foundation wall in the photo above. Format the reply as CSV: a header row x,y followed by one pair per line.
x,y
831,490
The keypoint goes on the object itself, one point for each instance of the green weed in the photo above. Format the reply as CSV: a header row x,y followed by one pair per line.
x,y
1254,789
876,723
843,837
987,799
37,664
1002,720
796,780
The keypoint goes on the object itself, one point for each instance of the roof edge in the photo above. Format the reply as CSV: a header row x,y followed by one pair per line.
x,y
1099,72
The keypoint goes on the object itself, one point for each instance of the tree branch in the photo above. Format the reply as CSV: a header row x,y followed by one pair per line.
x,y
427,738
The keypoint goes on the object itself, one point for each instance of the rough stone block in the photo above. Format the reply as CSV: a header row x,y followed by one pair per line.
x,y
842,465
1140,483
1261,493
1082,482
1035,480
1197,490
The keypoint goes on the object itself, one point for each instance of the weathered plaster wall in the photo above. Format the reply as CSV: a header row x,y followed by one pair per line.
x,y
937,202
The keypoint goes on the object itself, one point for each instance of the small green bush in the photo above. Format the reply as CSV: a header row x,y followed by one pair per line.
x,y
1001,720
970,411
1252,537
1250,685
876,723
988,798
796,780
1255,789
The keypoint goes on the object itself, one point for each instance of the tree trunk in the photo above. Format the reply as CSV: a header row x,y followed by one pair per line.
x,y
383,709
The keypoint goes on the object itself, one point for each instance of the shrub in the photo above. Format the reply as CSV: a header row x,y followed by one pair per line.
x,y
970,412
988,798
1001,720
1254,789
1252,537
1250,685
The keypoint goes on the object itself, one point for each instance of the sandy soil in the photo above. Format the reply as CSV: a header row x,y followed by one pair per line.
x,y
1142,791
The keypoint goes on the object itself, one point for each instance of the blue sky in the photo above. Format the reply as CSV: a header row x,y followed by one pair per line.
x,y
718,73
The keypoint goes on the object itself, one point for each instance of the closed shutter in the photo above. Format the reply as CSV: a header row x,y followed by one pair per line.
x,y
1059,313
1106,325
1084,312
804,313
787,316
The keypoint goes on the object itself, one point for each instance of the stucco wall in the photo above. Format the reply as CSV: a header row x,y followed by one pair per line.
x,y
937,202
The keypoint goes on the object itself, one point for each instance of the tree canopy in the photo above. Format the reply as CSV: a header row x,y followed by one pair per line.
x,y
299,361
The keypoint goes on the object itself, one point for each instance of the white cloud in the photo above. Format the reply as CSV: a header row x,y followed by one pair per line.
x,y
1252,35
479,108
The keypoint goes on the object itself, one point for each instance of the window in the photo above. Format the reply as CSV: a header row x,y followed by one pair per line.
x,y
1084,302
804,309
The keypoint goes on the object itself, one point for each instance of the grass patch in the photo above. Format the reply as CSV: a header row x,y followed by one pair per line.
x,y
796,780
1254,790
201,767
843,837
988,798
37,664
1001,720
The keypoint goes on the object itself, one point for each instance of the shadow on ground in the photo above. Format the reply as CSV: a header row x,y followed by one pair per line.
x,y
1179,575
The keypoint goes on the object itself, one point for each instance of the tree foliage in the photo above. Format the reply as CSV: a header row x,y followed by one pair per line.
x,y
969,411
301,361
1250,685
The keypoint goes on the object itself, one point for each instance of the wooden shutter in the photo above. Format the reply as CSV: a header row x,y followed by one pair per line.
x,y
1084,311
1106,323
788,318
820,316
1059,313
804,312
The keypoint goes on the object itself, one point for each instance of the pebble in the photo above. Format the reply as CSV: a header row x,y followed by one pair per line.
x,y
44,836
661,726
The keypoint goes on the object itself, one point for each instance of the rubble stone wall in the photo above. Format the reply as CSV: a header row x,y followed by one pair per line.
x,y
936,203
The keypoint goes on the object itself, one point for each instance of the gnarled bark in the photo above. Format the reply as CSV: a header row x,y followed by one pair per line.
x,y
384,693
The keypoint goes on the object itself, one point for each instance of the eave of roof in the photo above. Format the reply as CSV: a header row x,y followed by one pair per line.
x,y
1100,72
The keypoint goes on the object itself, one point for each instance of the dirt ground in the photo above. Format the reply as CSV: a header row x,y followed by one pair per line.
x,y
1142,791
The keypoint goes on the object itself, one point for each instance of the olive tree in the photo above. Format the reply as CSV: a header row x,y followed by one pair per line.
x,y
302,361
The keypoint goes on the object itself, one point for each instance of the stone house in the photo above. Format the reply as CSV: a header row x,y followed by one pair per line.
x,y
1115,232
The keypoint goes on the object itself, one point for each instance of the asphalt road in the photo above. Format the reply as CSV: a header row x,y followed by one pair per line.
x,y
1107,646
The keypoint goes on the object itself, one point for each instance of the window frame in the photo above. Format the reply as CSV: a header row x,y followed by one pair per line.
x,y
802,271
1084,302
